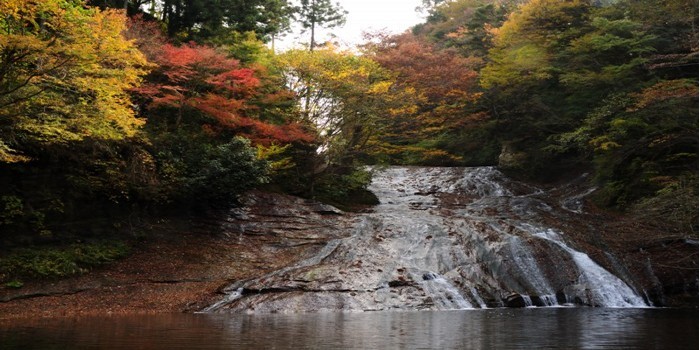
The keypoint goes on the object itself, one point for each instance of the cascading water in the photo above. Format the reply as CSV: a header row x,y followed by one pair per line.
x,y
609,289
442,238
526,263
443,293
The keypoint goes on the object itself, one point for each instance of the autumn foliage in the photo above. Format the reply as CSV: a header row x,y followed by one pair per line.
x,y
64,76
96,108
441,75
445,89
99,113
199,79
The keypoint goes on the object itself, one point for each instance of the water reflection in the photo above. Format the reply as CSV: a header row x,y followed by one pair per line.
x,y
552,328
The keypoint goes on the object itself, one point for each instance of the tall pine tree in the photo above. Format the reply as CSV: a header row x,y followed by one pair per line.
x,y
313,14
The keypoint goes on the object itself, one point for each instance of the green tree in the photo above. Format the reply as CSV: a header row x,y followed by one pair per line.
x,y
466,25
644,143
313,14
205,19
553,62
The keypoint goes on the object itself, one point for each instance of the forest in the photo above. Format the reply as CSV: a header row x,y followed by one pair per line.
x,y
118,113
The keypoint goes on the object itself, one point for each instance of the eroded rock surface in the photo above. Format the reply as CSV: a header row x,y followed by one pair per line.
x,y
444,238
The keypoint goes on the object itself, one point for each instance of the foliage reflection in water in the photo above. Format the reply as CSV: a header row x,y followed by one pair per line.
x,y
574,328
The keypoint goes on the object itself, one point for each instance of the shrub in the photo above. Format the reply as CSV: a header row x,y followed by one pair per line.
x,y
53,262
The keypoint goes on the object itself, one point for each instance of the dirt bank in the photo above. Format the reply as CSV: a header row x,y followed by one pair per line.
x,y
182,268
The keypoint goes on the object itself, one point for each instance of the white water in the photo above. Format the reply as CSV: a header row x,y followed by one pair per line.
x,y
607,290
442,238
477,297
443,293
231,297
525,261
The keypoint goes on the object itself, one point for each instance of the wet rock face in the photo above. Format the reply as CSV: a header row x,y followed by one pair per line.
x,y
442,238
516,300
284,220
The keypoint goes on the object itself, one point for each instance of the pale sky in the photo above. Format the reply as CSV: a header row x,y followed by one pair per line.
x,y
364,15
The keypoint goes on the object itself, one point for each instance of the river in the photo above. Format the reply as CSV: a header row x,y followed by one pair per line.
x,y
529,328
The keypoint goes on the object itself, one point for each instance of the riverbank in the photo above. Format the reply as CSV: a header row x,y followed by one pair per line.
x,y
184,263
163,275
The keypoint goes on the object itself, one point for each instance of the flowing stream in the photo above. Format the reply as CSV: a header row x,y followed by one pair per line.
x,y
442,239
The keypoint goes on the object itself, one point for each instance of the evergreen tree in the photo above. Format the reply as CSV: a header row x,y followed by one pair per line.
x,y
202,20
312,14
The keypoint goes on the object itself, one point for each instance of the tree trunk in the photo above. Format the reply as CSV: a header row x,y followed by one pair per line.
x,y
273,43
313,26
313,33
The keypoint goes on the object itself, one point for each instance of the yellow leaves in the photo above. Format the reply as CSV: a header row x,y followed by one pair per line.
x,y
381,87
516,65
527,42
459,33
67,78
335,73
348,98
275,155
409,109
536,19
20,16
107,66
492,30
7,155
16,8
604,143
10,8
21,42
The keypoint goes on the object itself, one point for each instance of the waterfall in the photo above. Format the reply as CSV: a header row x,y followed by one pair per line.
x,y
606,289
477,297
443,293
525,261
441,239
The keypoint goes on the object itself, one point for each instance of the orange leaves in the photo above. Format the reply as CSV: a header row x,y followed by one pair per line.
x,y
200,77
664,91
444,82
183,56
266,134
193,61
241,81
223,109
439,74
260,133
197,78
173,99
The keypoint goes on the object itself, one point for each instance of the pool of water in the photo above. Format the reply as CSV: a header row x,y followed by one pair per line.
x,y
548,328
